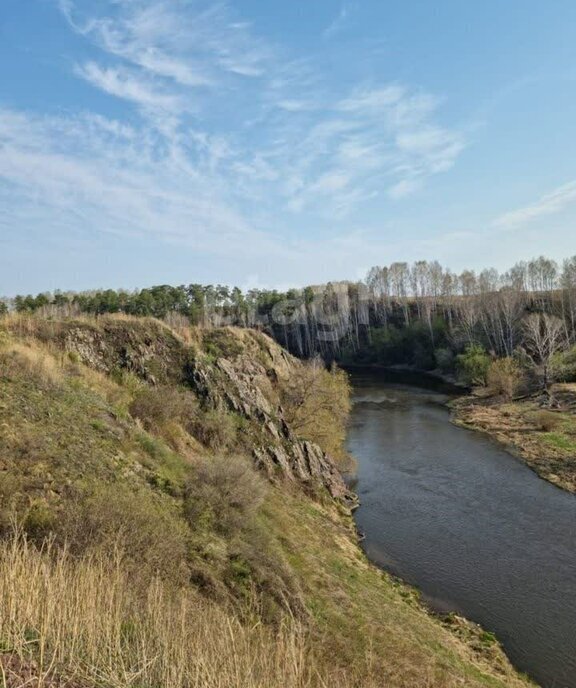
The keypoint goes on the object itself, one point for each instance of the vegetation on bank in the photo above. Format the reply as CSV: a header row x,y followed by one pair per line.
x,y
140,547
527,400
544,437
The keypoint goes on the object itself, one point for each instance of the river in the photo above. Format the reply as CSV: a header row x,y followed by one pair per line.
x,y
452,513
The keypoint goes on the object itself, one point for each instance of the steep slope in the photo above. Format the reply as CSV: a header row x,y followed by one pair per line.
x,y
128,441
232,369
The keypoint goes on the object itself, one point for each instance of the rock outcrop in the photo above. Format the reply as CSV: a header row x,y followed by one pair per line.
x,y
232,369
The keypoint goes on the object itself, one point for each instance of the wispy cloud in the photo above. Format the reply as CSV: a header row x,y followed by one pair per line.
x,y
189,43
125,84
236,149
549,204
97,170
337,23
376,139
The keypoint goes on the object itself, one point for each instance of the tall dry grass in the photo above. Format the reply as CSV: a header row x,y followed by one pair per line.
x,y
83,620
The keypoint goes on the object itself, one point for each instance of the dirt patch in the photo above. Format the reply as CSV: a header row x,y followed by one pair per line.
x,y
17,672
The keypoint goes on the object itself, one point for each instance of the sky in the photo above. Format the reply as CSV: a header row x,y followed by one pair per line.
x,y
267,143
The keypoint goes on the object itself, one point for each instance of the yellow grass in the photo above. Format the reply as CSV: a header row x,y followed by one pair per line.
x,y
83,620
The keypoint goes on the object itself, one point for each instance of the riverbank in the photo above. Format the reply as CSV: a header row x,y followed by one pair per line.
x,y
544,438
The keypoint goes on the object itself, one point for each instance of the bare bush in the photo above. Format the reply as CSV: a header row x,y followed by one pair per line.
x,y
504,377
224,494
151,536
546,421
157,406
215,429
316,404
544,336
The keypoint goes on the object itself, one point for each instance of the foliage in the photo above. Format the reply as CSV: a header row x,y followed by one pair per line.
x,y
504,377
157,406
223,495
145,527
221,343
215,429
400,314
316,405
473,365
563,365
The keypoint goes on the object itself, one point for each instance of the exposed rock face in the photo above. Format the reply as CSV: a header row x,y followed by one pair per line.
x,y
238,371
241,385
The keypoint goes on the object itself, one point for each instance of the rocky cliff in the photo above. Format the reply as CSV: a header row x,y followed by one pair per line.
x,y
227,368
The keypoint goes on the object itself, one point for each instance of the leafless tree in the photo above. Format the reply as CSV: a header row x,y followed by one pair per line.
x,y
543,337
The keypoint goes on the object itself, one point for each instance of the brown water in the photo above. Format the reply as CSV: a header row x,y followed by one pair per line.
x,y
473,528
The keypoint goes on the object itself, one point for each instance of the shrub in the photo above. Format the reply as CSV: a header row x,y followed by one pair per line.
x,y
222,506
221,343
39,521
224,495
423,357
504,377
316,405
563,366
473,365
546,420
157,406
444,360
160,408
214,428
145,528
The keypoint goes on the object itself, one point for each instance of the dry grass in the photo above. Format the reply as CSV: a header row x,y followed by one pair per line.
x,y
547,421
544,439
81,620
38,364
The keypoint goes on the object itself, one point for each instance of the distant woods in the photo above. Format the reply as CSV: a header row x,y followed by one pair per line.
x,y
421,314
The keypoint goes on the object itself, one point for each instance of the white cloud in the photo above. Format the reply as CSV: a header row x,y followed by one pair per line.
x,y
179,57
127,85
94,169
549,204
189,43
377,138
233,141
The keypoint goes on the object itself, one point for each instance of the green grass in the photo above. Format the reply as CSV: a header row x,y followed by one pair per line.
x,y
560,440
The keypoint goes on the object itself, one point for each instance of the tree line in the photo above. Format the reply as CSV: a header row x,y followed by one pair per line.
x,y
421,314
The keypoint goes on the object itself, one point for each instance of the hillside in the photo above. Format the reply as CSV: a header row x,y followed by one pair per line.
x,y
172,515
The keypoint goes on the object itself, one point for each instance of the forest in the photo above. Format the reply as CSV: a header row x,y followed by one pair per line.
x,y
421,314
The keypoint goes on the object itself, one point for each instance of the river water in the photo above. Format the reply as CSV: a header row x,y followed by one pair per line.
x,y
449,511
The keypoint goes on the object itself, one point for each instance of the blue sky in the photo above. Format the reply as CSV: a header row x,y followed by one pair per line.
x,y
267,143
